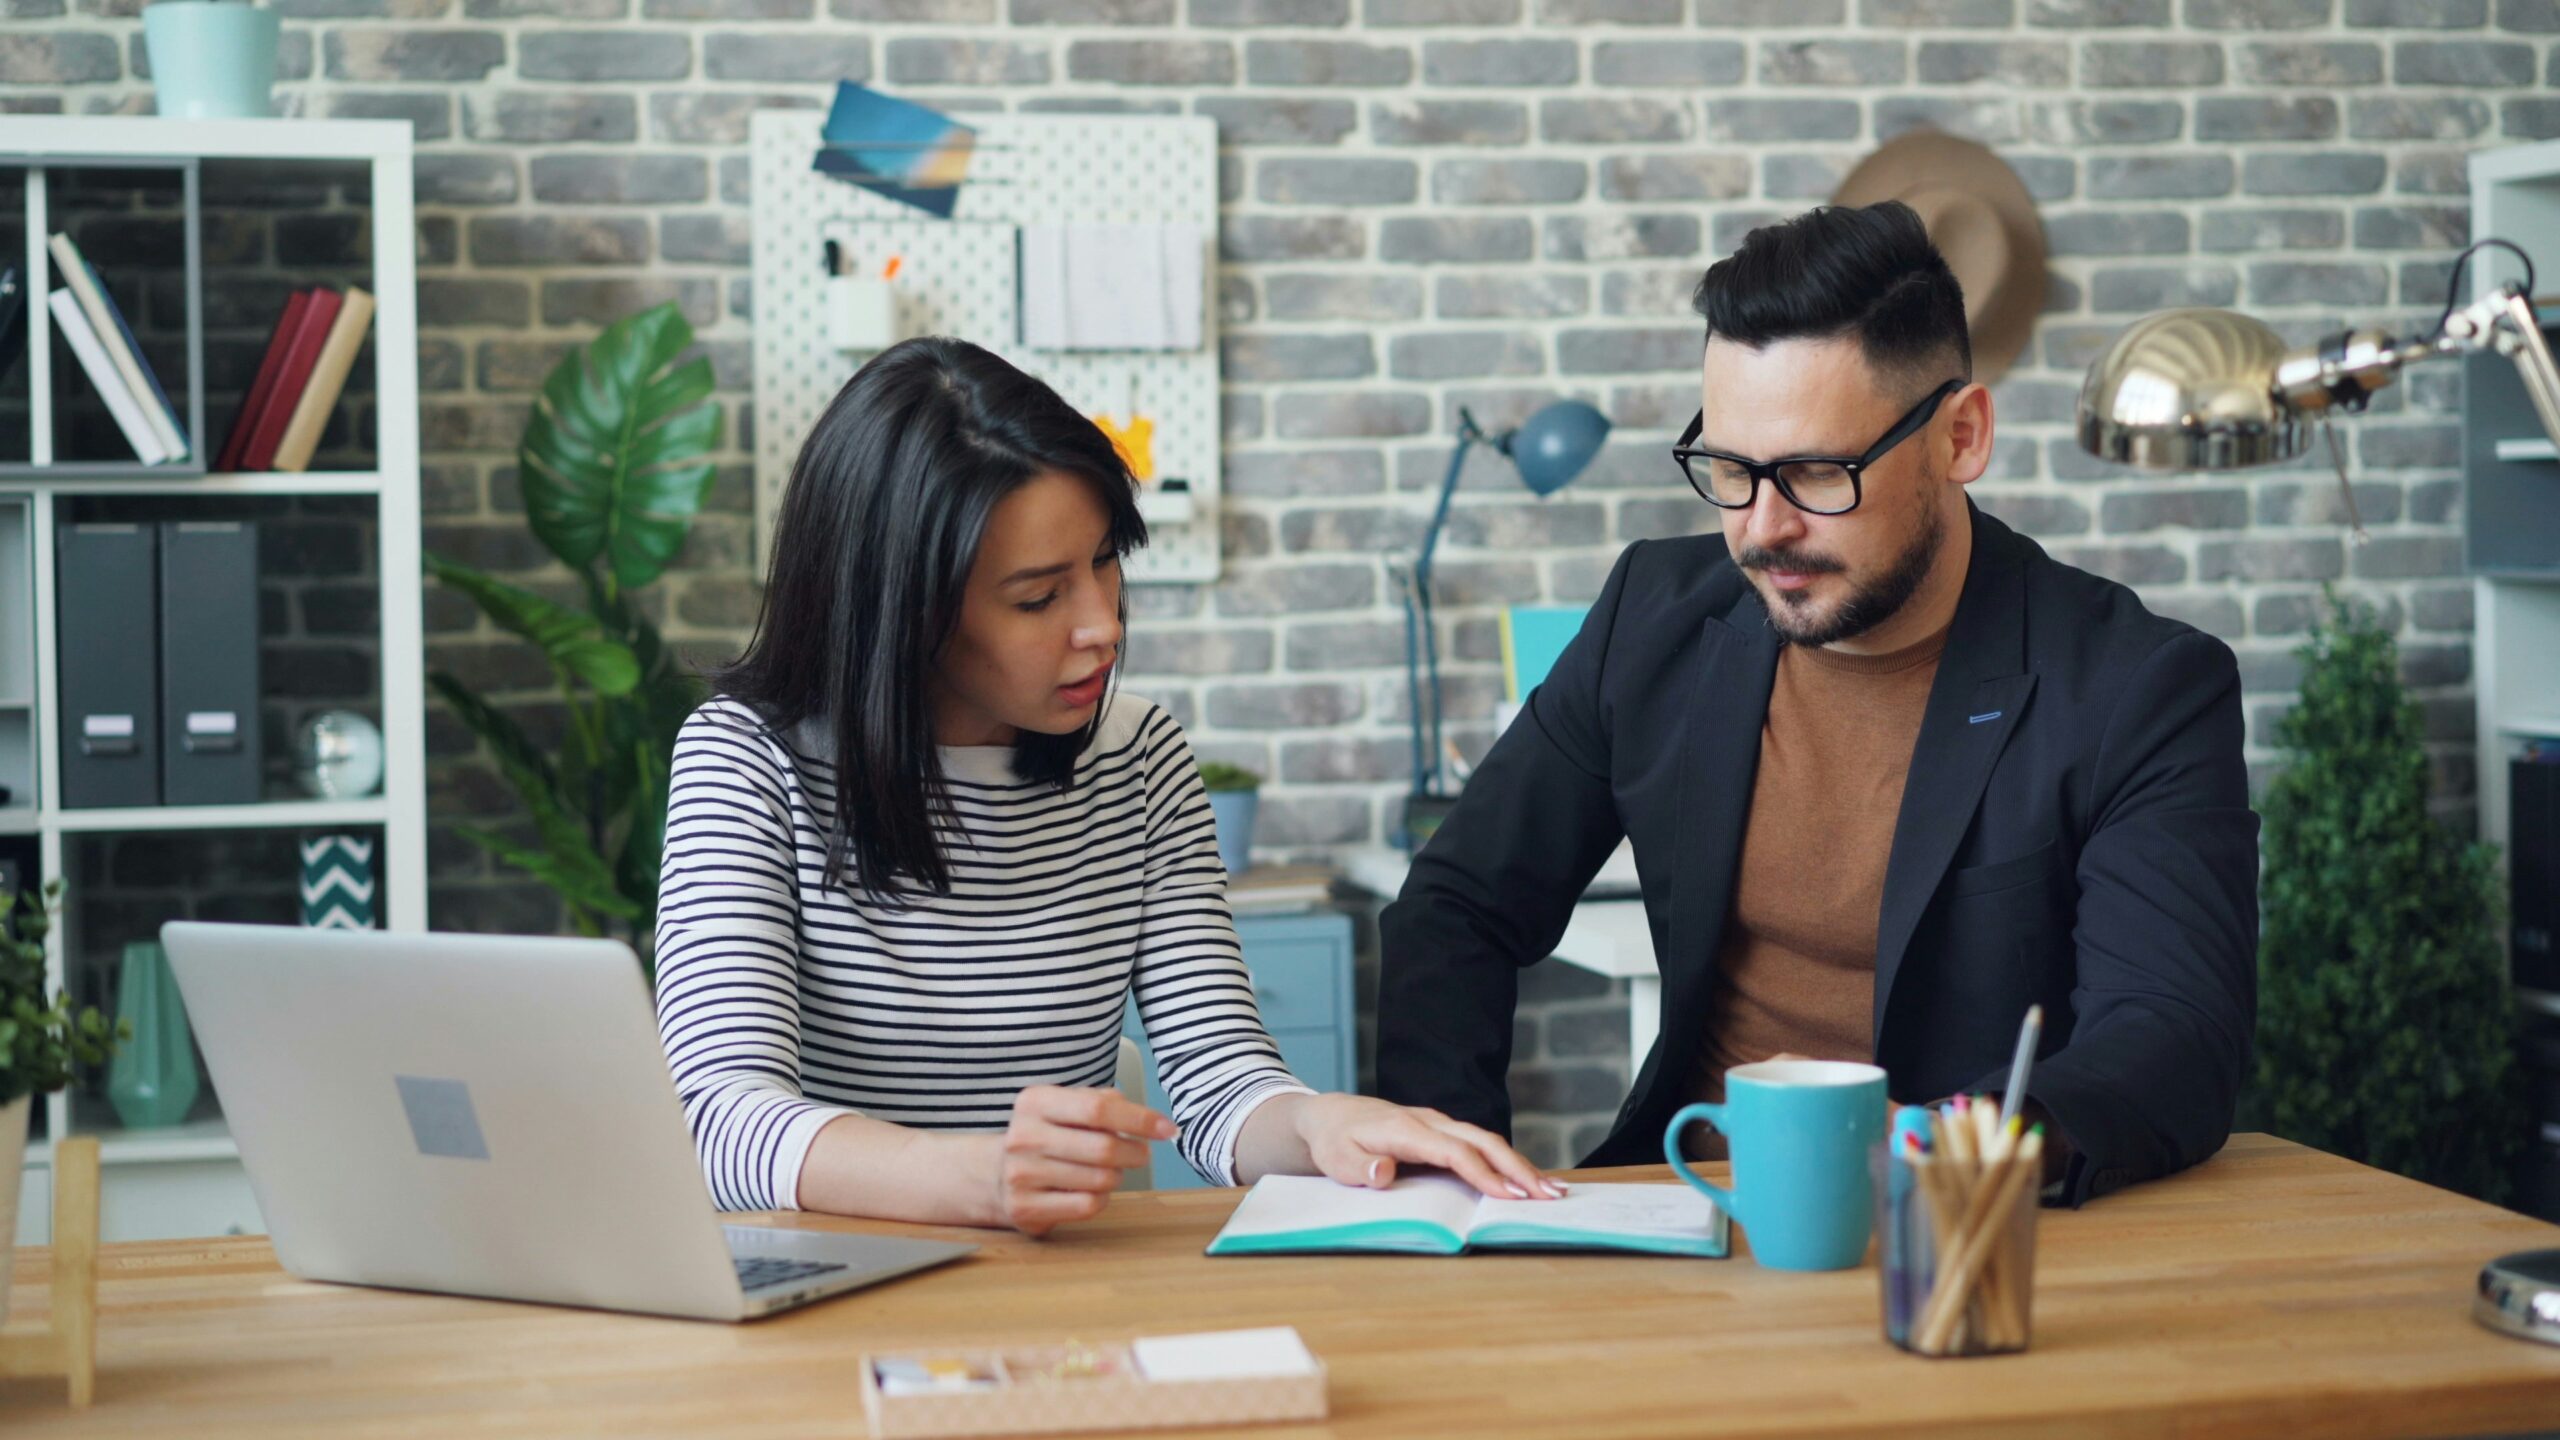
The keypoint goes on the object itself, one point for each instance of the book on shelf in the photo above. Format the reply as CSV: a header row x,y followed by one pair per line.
x,y
108,330
159,394
103,377
1279,889
301,357
235,446
328,377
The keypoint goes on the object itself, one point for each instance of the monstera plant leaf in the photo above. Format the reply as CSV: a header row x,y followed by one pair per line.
x,y
576,644
568,861
613,460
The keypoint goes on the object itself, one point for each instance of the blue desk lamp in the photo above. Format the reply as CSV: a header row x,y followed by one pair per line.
x,y
1548,451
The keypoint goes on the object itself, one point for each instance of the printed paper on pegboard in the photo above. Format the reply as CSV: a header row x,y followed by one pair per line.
x,y
1116,169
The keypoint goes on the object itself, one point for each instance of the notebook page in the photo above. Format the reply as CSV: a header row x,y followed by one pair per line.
x,y
1292,1204
1656,1211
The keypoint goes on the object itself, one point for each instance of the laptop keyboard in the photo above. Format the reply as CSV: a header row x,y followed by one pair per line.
x,y
758,1272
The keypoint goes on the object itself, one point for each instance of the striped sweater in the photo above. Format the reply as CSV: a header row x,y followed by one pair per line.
x,y
784,1003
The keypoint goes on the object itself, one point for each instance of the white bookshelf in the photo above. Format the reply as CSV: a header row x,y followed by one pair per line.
x,y
187,1180
2515,195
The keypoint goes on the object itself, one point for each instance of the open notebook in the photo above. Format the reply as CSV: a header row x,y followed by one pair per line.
x,y
1438,1215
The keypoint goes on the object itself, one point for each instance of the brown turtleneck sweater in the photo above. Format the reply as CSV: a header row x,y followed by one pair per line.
x,y
1797,971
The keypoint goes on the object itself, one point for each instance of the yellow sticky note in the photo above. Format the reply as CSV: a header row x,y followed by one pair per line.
x,y
1136,442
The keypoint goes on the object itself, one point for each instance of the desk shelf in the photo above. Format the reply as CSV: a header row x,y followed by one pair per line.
x,y
206,1139
268,815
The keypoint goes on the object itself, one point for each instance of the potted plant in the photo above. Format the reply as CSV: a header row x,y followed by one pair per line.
x,y
1235,795
43,1044
211,59
2386,1026
615,463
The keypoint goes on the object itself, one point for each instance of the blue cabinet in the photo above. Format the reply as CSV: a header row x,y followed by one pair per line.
x,y
1301,968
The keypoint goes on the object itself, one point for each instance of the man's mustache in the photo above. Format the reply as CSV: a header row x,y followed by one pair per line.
x,y
1752,557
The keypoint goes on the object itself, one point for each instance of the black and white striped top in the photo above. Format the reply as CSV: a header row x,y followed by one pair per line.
x,y
784,1003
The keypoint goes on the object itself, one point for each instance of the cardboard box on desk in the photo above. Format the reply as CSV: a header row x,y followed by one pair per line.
x,y
1056,1389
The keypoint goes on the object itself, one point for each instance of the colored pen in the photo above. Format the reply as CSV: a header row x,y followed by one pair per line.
x,y
2016,1094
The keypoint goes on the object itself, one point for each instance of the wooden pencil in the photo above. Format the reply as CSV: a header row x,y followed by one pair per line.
x,y
1989,1208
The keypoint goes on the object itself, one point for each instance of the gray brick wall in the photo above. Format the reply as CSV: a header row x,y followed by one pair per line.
x,y
1435,203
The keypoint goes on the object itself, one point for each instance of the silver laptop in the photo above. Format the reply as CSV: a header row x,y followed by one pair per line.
x,y
483,1115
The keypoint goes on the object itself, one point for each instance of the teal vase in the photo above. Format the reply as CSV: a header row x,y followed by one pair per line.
x,y
152,1080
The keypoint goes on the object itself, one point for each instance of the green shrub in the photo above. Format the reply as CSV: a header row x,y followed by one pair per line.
x,y
2386,1027
43,1042
1219,775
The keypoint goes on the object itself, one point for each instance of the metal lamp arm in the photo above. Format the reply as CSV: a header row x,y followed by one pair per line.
x,y
2342,371
2520,339
1468,435
1421,639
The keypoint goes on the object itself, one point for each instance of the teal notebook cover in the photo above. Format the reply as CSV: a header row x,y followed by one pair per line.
x,y
1532,637
1436,1215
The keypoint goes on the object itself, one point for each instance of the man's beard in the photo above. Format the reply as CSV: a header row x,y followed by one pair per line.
x,y
1868,606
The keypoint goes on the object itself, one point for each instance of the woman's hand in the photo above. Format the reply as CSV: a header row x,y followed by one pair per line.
x,y
1063,1154
1359,1140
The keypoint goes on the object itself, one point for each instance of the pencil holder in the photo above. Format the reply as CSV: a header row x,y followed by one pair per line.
x,y
862,313
1957,1238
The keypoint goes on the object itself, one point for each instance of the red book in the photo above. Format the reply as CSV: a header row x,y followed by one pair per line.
x,y
310,334
262,389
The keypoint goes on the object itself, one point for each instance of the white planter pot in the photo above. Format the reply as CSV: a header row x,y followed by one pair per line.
x,y
13,1168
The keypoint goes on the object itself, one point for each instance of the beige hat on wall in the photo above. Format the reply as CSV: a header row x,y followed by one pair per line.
x,y
1981,218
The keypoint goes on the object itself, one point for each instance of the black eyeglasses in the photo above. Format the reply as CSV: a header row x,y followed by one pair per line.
x,y
1816,484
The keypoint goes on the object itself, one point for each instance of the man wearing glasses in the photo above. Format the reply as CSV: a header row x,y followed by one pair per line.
x,y
1892,773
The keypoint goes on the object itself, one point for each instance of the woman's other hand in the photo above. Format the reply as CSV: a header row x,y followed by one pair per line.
x,y
1065,1152
1360,1140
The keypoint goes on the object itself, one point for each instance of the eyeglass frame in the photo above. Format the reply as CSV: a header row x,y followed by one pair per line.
x,y
1911,423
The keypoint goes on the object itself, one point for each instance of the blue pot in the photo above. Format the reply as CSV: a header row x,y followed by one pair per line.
x,y
211,60
1235,811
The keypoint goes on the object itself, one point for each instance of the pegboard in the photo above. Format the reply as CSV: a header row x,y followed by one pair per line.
x,y
957,277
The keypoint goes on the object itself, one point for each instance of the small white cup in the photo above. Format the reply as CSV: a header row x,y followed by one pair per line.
x,y
862,314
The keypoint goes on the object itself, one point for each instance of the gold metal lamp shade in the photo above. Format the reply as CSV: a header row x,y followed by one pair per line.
x,y
2190,390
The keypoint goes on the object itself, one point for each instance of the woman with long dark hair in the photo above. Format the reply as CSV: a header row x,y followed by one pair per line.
x,y
919,854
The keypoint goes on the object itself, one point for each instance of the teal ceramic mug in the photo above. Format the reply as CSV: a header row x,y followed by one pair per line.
x,y
1800,1131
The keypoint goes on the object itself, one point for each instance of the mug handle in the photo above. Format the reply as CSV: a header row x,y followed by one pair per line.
x,y
1714,1116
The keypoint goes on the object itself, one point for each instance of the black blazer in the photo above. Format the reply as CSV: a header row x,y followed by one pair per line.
x,y
2075,830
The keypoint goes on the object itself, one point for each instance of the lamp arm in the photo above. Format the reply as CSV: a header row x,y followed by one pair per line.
x,y
1433,750
1413,674
2521,340
1421,645
1468,435
2342,370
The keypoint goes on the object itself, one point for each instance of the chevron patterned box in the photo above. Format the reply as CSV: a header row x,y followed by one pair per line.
x,y
337,882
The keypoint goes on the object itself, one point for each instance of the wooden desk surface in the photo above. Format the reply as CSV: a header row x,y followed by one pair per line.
x,y
2273,1291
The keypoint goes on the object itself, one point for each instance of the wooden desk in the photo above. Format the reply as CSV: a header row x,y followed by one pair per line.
x,y
2274,1291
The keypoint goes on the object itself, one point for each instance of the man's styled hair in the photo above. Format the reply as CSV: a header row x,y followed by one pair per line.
x,y
1837,271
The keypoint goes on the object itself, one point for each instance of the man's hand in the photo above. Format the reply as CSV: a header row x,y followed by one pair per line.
x,y
1063,1154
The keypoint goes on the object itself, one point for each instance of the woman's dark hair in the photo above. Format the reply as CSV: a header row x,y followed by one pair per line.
x,y
883,517
1866,271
